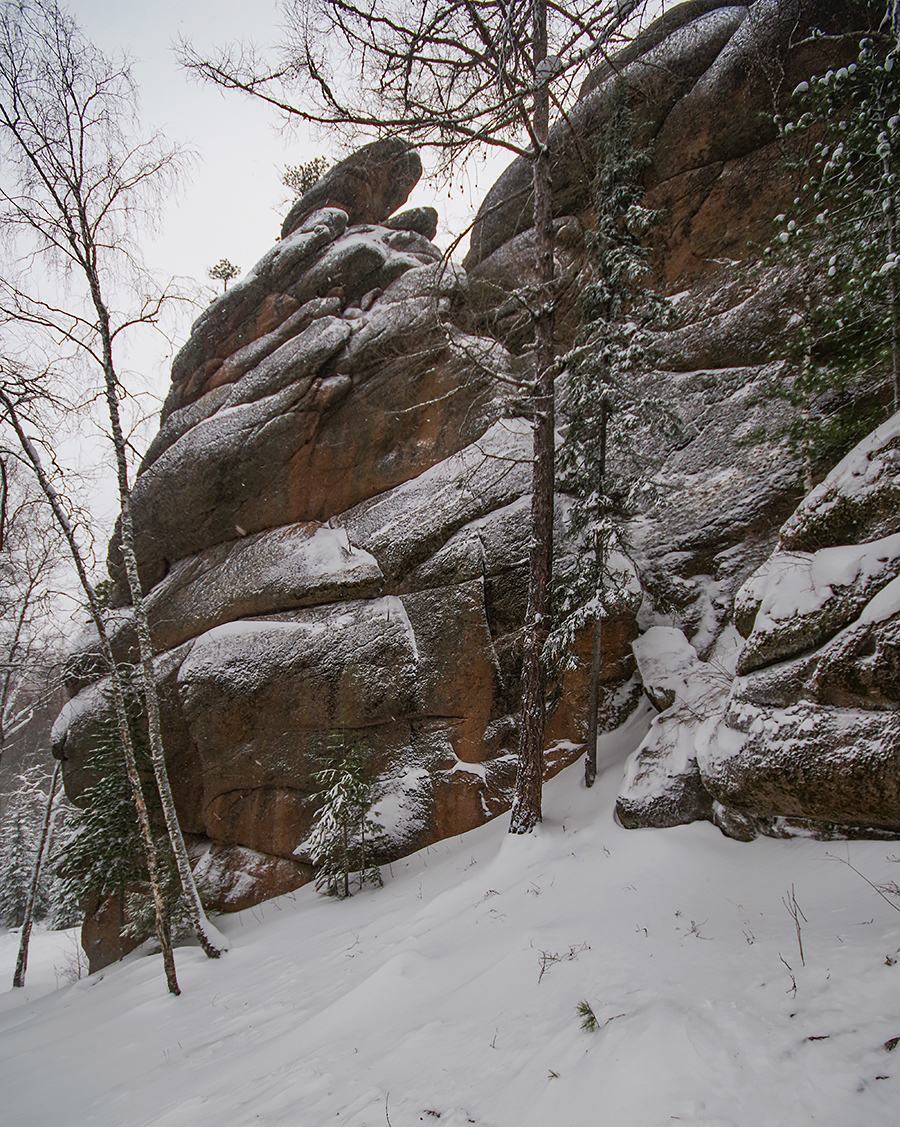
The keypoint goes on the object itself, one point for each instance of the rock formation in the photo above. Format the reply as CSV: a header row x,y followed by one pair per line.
x,y
805,738
332,521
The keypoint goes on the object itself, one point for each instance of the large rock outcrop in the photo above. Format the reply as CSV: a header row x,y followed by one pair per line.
x,y
806,738
332,521
811,736
331,527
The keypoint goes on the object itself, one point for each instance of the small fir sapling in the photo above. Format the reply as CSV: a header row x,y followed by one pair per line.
x,y
224,271
616,431
837,245
105,853
340,841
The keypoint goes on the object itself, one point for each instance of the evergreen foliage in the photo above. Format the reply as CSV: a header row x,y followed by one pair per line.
x,y
341,839
20,834
589,1023
64,907
301,177
223,272
838,247
105,852
18,843
617,432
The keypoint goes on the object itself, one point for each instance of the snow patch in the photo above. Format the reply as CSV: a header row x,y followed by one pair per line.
x,y
427,995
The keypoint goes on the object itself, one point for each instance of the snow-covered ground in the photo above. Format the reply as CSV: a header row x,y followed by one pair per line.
x,y
451,993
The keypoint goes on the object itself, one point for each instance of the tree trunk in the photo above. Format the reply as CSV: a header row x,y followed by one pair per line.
x,y
526,811
893,297
22,958
346,837
59,513
590,758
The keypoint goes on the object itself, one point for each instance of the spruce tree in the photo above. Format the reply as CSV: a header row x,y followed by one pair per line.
x,y
837,247
16,858
616,432
105,853
64,905
341,839
19,837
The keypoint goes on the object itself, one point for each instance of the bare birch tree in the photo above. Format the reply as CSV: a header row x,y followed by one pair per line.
x,y
10,403
29,557
455,75
76,183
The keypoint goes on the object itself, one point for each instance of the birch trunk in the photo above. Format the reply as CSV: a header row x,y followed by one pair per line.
x,y
212,942
25,936
160,910
893,298
590,758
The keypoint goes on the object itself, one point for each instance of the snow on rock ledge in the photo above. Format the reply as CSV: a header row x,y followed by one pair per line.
x,y
663,783
810,740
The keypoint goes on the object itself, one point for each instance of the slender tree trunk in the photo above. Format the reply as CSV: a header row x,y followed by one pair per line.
x,y
24,938
590,758
362,850
806,369
526,811
895,339
806,448
346,841
11,664
893,297
161,912
210,939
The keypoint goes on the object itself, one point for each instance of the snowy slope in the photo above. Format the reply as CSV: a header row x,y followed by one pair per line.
x,y
425,1000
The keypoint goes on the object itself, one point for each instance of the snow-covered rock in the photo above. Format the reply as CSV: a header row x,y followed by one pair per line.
x,y
799,600
811,735
293,566
663,785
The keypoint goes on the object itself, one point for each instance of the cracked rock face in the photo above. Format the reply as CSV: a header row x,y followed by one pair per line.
x,y
806,737
812,728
